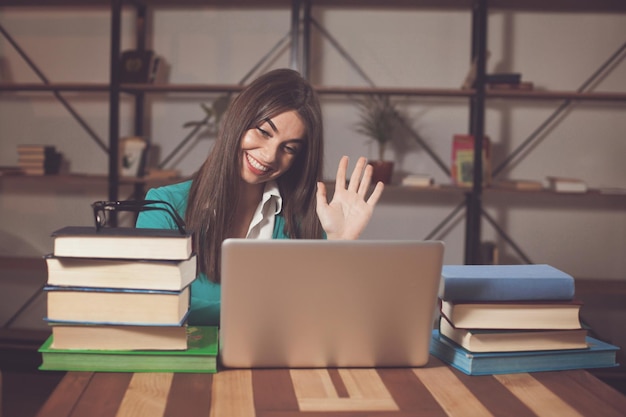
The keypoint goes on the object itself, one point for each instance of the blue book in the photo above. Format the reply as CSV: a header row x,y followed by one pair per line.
x,y
505,283
598,355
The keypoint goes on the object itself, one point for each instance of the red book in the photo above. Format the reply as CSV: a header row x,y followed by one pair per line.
x,y
463,160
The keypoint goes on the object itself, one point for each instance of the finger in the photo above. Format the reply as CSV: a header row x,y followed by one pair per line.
x,y
322,201
375,196
355,179
366,180
340,180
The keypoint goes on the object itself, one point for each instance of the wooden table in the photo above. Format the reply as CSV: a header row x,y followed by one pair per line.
x,y
435,390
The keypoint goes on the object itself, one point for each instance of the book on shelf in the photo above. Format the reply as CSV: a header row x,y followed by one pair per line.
x,y
566,185
418,180
513,314
199,357
137,66
116,306
462,172
505,283
111,337
121,243
482,340
146,274
525,185
35,149
504,78
598,354
39,159
521,86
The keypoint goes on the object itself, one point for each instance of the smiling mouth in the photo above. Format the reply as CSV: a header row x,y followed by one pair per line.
x,y
256,164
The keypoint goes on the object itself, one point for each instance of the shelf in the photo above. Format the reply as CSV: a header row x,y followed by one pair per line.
x,y
322,90
86,179
525,5
70,87
557,95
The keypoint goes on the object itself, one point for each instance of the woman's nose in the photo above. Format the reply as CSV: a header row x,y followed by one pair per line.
x,y
270,151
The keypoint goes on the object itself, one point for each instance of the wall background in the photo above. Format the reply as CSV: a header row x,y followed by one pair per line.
x,y
396,48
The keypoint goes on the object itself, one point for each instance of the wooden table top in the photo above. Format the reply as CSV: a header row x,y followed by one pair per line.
x,y
434,390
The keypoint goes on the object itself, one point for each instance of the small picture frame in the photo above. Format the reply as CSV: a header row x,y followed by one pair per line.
x,y
131,155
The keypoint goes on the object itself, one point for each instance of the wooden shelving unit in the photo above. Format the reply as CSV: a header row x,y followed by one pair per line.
x,y
477,98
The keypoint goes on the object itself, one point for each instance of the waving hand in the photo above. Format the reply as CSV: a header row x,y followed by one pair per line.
x,y
349,212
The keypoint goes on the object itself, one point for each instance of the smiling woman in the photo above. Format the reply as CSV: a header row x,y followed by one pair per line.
x,y
262,180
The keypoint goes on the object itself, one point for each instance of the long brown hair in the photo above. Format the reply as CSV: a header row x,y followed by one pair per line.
x,y
215,189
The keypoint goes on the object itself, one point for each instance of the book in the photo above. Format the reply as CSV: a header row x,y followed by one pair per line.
x,y
111,337
35,149
171,275
526,185
513,314
136,66
418,180
524,85
39,159
199,357
566,185
87,305
121,243
504,78
477,340
505,283
462,172
598,354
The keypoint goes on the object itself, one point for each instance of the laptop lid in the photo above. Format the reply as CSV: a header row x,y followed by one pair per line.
x,y
320,303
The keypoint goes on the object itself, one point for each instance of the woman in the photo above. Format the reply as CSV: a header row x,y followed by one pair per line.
x,y
262,180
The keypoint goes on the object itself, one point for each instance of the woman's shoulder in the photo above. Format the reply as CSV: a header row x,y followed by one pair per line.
x,y
172,193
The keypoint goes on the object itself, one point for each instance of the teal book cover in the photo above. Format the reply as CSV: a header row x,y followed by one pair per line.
x,y
598,355
200,356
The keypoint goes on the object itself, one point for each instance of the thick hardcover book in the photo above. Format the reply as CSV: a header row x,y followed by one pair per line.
x,y
121,243
505,283
598,355
109,337
513,315
121,273
117,306
476,340
200,357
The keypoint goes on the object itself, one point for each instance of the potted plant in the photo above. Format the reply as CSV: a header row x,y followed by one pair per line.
x,y
378,121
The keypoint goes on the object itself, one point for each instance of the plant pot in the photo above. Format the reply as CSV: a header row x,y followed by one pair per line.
x,y
383,171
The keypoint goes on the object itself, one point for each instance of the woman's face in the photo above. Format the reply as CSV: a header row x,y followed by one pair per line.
x,y
269,149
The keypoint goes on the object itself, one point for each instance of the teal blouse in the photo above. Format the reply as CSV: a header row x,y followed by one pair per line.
x,y
205,294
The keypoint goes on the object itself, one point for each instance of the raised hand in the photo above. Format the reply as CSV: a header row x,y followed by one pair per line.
x,y
349,212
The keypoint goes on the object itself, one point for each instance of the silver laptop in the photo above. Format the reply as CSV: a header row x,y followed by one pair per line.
x,y
320,303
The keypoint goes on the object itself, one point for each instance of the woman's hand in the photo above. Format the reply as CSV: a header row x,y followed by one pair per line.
x,y
349,212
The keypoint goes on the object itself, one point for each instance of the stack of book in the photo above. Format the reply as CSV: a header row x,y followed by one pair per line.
x,y
513,318
118,299
38,159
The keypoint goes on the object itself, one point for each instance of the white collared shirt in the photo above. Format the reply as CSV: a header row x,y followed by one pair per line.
x,y
262,224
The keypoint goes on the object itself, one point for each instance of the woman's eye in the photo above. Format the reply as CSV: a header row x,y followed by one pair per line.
x,y
291,149
263,132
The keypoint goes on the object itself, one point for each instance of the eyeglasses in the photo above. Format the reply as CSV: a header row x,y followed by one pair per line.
x,y
102,210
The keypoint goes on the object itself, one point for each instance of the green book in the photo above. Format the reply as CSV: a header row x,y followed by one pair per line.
x,y
200,357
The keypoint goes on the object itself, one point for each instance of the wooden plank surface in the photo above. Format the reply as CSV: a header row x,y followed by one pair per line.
x,y
435,390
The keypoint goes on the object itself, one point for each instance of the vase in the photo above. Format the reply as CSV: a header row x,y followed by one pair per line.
x,y
383,171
